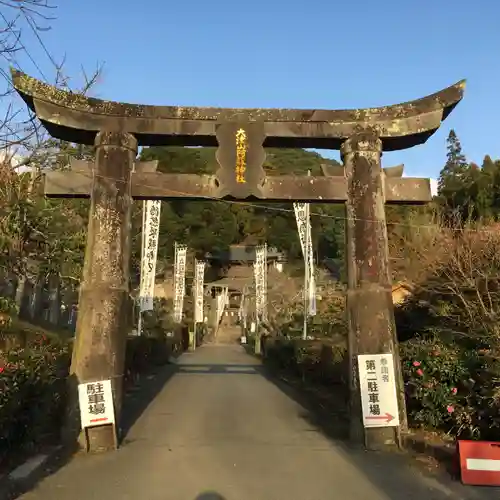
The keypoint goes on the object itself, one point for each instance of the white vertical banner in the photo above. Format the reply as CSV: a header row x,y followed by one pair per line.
x,y
241,309
246,306
143,271
143,239
179,280
264,284
302,216
219,307
222,302
260,276
199,278
256,276
312,295
150,231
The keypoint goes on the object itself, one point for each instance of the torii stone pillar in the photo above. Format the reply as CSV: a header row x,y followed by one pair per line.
x,y
370,311
101,329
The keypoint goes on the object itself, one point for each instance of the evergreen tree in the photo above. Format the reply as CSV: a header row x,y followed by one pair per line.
x,y
454,180
488,166
455,169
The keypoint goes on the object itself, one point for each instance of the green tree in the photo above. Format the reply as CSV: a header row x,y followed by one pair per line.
x,y
455,168
454,180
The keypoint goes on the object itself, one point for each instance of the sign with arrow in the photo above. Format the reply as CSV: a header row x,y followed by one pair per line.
x,y
377,384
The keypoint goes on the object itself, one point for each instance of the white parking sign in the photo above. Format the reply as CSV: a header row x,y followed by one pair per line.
x,y
378,390
96,403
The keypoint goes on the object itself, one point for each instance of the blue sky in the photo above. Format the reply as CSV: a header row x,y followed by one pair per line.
x,y
276,53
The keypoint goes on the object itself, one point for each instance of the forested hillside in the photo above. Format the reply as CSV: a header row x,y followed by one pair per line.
x,y
214,225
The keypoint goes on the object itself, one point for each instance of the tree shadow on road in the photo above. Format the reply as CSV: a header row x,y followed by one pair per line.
x,y
135,401
210,495
12,490
330,416
393,473
141,395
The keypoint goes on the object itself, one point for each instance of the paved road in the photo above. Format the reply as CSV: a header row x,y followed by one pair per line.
x,y
220,426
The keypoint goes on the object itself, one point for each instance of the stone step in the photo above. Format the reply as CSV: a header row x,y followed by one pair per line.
x,y
228,335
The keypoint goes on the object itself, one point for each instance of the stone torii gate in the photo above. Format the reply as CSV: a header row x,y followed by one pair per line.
x,y
117,129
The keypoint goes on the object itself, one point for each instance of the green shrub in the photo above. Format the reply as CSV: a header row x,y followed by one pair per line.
x,y
481,417
144,352
448,386
453,306
451,388
32,395
280,354
33,385
317,361
434,375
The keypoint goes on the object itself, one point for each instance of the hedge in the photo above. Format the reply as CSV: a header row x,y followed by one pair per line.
x,y
447,388
33,386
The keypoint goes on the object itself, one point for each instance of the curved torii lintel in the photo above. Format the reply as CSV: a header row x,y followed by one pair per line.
x,y
75,118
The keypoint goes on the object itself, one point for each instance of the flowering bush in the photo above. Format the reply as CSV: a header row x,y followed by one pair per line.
x,y
433,382
455,298
450,388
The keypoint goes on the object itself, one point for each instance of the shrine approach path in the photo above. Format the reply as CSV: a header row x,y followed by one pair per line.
x,y
219,429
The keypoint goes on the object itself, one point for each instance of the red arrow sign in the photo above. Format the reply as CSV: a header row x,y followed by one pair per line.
x,y
387,417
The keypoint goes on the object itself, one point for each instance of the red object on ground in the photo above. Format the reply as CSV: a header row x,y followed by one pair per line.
x,y
479,462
